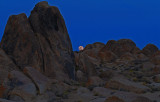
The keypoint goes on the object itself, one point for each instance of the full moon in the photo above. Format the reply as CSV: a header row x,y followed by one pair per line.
x,y
81,48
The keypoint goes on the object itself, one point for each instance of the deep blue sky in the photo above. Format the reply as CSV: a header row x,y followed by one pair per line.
x,y
90,21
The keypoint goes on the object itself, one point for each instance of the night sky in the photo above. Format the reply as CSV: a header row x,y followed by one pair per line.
x,y
90,21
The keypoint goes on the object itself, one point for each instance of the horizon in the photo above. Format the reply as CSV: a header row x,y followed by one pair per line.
x,y
99,21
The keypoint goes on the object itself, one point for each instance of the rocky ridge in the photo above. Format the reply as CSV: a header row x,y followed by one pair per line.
x,y
39,65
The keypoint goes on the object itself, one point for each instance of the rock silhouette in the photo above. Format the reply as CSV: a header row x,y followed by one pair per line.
x,y
37,64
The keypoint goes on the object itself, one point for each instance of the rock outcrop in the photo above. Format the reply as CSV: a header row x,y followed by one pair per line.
x,y
40,41
37,64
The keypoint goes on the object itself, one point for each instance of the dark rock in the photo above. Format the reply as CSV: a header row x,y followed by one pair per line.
x,y
121,46
149,50
6,66
42,42
142,99
97,45
19,42
48,24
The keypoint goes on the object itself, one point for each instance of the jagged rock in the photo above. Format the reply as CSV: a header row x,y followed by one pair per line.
x,y
47,22
149,50
42,42
37,63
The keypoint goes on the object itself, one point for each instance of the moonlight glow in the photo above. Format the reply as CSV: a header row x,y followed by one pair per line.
x,y
81,48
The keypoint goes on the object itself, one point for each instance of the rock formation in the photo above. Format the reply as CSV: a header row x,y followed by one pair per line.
x,y
40,41
37,64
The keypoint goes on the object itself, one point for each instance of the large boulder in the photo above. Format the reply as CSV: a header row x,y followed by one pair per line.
x,y
123,84
21,86
40,81
97,45
121,46
42,42
149,50
93,49
86,64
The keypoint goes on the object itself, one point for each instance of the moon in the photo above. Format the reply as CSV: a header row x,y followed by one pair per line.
x,y
81,48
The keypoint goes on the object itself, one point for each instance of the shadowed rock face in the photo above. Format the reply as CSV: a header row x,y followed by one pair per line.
x,y
121,46
37,63
42,42
149,50
20,43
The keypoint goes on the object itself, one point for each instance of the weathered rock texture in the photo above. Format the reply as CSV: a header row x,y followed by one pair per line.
x,y
37,64
40,41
